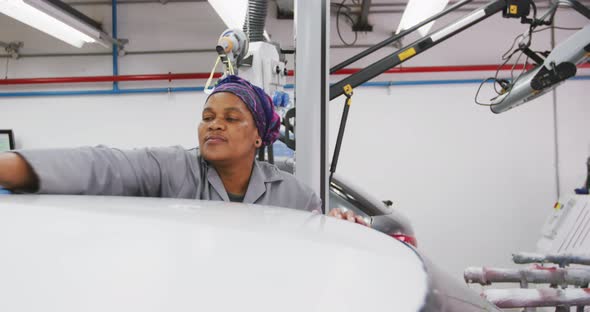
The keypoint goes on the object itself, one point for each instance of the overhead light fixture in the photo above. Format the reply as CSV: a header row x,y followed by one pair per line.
x,y
56,19
418,11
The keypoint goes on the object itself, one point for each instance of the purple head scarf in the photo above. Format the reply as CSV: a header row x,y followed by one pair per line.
x,y
258,102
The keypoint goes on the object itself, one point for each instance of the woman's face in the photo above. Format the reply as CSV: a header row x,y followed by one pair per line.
x,y
227,132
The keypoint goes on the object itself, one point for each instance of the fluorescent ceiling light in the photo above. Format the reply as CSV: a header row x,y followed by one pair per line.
x,y
47,17
418,11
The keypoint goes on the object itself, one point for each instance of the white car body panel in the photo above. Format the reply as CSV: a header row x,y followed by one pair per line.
x,y
84,253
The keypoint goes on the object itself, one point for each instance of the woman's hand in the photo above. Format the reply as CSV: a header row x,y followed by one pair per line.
x,y
15,172
349,215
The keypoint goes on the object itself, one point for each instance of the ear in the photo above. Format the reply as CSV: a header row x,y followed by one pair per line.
x,y
258,142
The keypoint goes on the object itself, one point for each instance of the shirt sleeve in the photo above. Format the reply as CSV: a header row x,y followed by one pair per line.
x,y
105,171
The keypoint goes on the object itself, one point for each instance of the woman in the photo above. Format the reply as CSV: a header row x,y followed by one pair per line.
x,y
237,119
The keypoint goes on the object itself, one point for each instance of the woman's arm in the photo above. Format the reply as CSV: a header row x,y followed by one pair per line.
x,y
101,170
94,171
86,170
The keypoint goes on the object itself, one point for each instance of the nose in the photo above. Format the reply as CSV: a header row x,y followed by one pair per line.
x,y
216,124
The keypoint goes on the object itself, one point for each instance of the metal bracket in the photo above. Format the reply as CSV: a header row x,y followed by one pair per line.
x,y
121,46
119,42
122,42
106,41
362,22
12,48
347,90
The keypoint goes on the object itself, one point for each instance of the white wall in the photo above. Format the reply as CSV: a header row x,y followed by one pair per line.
x,y
476,185
573,117
120,121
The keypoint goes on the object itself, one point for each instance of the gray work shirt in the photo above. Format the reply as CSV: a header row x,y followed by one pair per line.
x,y
159,172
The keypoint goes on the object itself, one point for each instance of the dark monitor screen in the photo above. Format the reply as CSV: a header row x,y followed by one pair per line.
x,y
6,140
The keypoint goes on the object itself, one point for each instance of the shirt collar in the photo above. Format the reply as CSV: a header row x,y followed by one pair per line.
x,y
261,174
215,182
257,185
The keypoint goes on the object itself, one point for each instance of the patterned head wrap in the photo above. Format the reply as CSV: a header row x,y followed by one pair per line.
x,y
258,102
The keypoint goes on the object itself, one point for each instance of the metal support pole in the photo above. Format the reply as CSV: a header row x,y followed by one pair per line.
x,y
311,94
115,46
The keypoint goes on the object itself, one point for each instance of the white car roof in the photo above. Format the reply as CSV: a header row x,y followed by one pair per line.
x,y
85,253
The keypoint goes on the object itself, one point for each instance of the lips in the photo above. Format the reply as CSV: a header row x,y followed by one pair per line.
x,y
215,139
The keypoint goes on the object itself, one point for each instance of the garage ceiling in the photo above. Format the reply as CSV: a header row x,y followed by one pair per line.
x,y
164,25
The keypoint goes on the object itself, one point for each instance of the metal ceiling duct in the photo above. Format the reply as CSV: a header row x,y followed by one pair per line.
x,y
255,19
